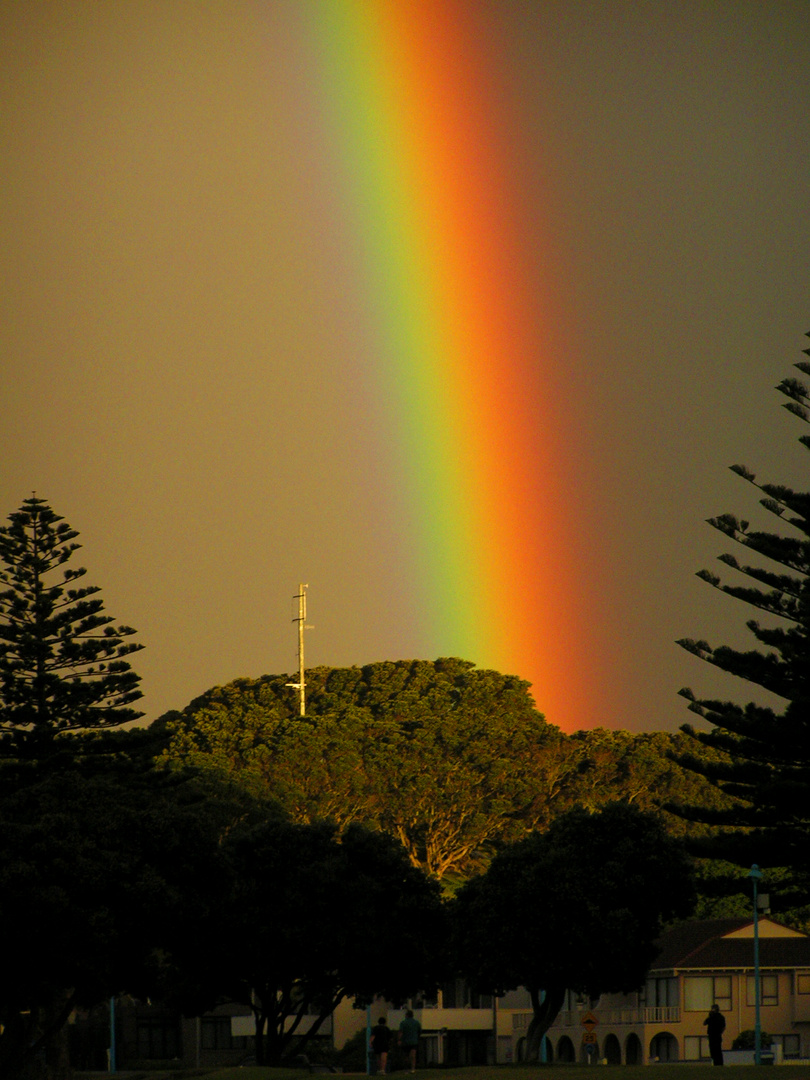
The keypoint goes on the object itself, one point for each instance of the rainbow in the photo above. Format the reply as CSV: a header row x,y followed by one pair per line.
x,y
459,315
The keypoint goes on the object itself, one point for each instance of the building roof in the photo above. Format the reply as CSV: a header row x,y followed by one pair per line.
x,y
707,945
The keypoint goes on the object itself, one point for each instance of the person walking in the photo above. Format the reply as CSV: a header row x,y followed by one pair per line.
x,y
715,1024
409,1031
381,1043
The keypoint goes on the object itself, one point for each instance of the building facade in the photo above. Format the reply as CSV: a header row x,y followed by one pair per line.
x,y
700,963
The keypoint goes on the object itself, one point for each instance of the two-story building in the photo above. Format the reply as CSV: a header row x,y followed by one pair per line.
x,y
700,963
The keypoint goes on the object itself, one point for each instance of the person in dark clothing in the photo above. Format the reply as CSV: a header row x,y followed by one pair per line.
x,y
409,1031
715,1024
381,1043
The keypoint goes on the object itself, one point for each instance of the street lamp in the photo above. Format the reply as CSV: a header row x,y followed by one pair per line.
x,y
369,1055
755,874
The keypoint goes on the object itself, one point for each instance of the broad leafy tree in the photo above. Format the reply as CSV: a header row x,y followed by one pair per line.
x,y
634,767
764,752
316,916
577,907
63,664
445,757
103,876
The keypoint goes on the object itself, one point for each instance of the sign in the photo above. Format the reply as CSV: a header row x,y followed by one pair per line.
x,y
589,1021
589,1038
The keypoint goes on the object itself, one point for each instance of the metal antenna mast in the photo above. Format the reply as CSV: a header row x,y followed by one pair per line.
x,y
300,686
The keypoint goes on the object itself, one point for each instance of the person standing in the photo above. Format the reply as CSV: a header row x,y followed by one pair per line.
x,y
381,1043
409,1031
715,1024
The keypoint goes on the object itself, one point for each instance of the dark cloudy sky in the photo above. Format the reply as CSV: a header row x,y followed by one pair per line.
x,y
172,386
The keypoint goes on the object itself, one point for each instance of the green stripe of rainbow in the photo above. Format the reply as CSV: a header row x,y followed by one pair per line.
x,y
459,348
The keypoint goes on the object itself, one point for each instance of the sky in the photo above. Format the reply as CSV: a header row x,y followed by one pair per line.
x,y
455,312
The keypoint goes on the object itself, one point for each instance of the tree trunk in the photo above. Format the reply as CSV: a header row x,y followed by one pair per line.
x,y
57,1053
274,1035
545,1013
37,1046
261,1052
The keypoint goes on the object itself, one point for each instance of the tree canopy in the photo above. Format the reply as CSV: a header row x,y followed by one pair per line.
x,y
63,665
102,872
445,757
765,754
577,907
313,916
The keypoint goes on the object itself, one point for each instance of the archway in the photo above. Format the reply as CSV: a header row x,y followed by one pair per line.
x,y
664,1047
632,1050
565,1051
520,1050
612,1050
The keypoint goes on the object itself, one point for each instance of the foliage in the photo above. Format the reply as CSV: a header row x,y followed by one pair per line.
x,y
746,1040
640,768
353,1056
101,875
446,758
577,907
315,916
62,663
764,756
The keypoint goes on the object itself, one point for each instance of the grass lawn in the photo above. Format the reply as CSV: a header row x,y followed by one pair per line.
x,y
676,1071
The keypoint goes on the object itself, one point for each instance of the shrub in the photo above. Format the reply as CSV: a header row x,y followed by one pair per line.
x,y
746,1040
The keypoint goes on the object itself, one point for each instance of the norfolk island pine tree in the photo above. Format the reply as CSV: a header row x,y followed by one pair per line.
x,y
63,665
765,760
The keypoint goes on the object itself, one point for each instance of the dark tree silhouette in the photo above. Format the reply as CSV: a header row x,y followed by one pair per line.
x,y
765,754
62,662
577,907
315,916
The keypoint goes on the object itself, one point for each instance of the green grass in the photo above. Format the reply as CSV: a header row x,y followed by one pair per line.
x,y
675,1071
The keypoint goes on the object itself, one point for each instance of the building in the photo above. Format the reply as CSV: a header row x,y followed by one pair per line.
x,y
458,1026
699,963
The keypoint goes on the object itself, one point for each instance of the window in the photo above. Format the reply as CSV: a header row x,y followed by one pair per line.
x,y
158,1038
768,990
722,992
215,1034
803,984
696,1048
791,1045
661,992
457,995
700,992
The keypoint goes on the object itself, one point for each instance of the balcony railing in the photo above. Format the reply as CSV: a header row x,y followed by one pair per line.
x,y
652,1014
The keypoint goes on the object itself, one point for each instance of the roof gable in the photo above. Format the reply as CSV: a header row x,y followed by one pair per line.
x,y
728,943
767,928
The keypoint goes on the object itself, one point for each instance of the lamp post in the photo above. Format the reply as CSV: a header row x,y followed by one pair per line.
x,y
369,1055
112,1053
755,874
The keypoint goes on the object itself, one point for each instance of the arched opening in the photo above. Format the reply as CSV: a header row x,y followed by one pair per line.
x,y
612,1050
565,1050
664,1047
632,1050
520,1050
